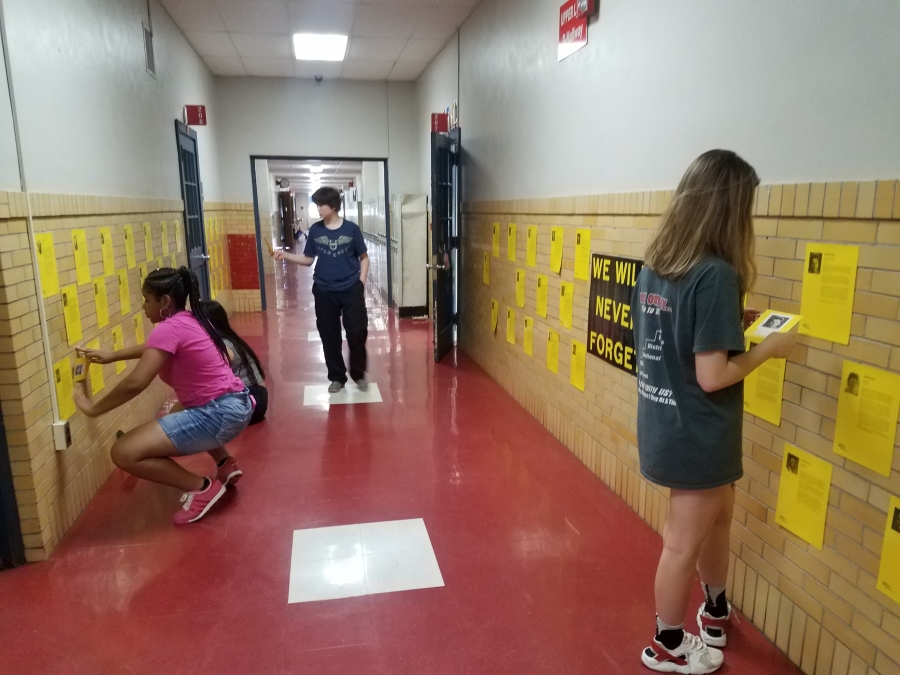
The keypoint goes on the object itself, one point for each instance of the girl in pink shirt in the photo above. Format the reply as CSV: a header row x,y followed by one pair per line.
x,y
188,355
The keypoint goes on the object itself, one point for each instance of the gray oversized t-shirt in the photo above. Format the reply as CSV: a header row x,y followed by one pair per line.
x,y
687,438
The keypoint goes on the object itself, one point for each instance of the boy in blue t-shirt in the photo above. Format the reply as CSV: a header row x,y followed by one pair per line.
x,y
338,287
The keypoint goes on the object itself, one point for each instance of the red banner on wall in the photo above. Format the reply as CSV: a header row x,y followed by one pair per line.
x,y
573,26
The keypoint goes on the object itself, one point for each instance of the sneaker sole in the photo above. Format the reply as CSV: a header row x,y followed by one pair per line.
x,y
709,639
232,478
208,506
669,667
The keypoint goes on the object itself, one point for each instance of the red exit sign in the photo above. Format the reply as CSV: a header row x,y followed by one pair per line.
x,y
195,115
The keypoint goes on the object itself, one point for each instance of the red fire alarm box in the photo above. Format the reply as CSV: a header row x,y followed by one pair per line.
x,y
440,122
195,115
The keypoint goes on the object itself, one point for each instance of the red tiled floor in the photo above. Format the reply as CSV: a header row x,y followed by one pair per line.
x,y
546,570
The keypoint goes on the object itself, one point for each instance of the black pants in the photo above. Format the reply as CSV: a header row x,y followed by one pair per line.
x,y
261,394
330,307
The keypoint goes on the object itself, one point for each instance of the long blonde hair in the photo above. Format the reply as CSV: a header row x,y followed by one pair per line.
x,y
710,215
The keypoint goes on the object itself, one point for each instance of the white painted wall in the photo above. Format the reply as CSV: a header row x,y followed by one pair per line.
x,y
92,121
806,90
302,118
9,164
436,89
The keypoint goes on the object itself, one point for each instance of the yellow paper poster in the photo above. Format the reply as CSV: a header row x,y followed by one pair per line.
x,y
43,244
542,286
486,271
118,341
62,378
889,570
495,240
576,365
829,282
531,246
553,351
129,246
771,321
566,291
72,314
148,242
868,405
556,249
176,225
520,288
124,293
160,263
495,315
511,325
82,260
95,372
803,494
165,237
100,302
174,262
142,273
528,340
511,242
583,254
139,328
763,388
106,248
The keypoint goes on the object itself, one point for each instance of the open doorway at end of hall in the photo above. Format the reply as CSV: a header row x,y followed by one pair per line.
x,y
282,190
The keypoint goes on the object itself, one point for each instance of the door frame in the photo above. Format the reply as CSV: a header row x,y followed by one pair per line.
x,y
12,547
182,129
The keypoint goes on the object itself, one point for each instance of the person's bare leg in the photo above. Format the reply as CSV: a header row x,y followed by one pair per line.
x,y
219,454
146,452
713,561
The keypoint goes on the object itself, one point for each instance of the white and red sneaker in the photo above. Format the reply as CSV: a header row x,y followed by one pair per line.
x,y
229,473
691,657
712,628
197,504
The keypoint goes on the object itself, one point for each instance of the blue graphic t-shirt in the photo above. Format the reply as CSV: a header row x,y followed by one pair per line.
x,y
337,255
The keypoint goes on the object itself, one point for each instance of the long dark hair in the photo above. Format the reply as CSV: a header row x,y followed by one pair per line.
x,y
181,285
218,317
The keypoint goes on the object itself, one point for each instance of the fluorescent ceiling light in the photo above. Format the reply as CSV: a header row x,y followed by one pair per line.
x,y
316,169
317,47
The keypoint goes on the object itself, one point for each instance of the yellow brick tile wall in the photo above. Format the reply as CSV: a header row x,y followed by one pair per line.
x,y
237,218
821,607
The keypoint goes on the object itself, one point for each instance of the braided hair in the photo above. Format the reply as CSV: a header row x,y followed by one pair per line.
x,y
218,317
182,286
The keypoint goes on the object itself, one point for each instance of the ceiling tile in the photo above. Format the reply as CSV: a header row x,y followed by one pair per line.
x,y
387,21
421,50
263,46
254,16
211,44
225,65
322,16
197,15
366,70
441,23
407,70
375,49
309,69
269,67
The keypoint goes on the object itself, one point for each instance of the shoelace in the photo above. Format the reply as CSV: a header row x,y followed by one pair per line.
x,y
187,498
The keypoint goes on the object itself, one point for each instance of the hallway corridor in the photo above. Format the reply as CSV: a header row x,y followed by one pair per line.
x,y
544,569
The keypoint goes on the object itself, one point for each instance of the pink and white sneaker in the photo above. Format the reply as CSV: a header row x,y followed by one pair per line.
x,y
712,628
229,473
197,504
691,657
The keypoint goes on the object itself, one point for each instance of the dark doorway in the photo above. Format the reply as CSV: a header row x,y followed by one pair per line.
x,y
12,549
444,240
192,194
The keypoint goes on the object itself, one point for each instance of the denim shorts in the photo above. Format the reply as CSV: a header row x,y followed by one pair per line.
x,y
207,427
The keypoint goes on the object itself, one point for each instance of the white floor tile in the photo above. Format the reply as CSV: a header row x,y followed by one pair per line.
x,y
326,543
327,579
313,336
392,536
317,395
402,571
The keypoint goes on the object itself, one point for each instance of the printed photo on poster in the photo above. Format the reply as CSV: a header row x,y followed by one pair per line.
x,y
771,321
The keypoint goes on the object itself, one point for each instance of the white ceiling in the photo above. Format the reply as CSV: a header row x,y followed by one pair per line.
x,y
389,39
334,173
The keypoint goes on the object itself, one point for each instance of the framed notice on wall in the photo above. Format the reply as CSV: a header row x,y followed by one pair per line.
x,y
610,335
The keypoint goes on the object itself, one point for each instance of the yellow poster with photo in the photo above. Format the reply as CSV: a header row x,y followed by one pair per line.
x,y
511,242
495,240
868,405
71,314
889,569
556,249
130,259
531,246
95,372
174,262
142,274
771,321
160,263
176,225
124,291
82,259
511,325
62,379
106,249
583,254
118,341
553,351
148,242
566,292
576,366
46,255
100,302
803,494
542,285
829,282
528,338
495,315
164,226
486,270
139,328
764,388
520,287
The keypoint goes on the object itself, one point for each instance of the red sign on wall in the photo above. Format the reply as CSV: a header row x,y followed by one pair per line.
x,y
573,26
195,115
440,122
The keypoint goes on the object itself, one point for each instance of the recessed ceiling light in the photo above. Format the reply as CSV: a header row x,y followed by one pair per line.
x,y
316,169
319,47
